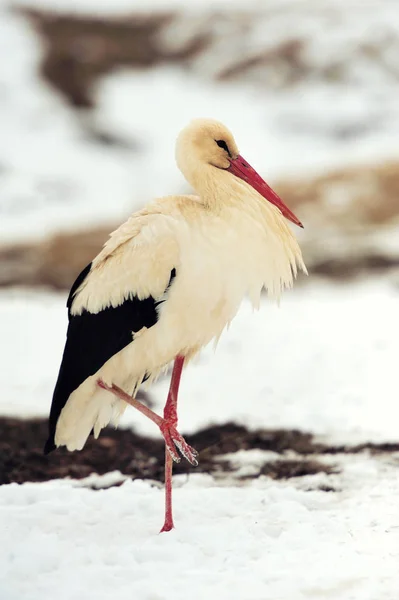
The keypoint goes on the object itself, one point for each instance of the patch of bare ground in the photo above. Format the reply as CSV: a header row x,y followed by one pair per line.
x,y
349,214
351,218
54,262
80,49
286,469
22,459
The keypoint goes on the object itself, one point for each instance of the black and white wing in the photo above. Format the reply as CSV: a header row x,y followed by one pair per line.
x,y
112,298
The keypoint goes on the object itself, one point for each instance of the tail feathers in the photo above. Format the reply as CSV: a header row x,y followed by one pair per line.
x,y
49,446
86,411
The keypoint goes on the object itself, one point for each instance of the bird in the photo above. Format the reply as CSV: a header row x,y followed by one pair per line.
x,y
167,282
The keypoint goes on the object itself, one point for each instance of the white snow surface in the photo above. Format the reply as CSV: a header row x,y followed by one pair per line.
x,y
324,362
263,541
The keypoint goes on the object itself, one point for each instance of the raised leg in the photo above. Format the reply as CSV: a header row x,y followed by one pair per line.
x,y
117,391
173,439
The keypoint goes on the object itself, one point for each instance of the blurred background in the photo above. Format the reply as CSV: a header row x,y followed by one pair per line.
x,y
92,96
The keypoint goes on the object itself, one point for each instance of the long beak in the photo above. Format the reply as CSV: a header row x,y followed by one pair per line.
x,y
240,168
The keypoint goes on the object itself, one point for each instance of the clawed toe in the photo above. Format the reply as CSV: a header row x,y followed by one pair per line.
x,y
103,385
187,451
174,440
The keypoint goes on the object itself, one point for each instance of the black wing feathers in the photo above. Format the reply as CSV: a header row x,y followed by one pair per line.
x,y
78,282
92,339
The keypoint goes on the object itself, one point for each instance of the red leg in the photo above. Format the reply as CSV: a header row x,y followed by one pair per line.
x,y
171,419
168,427
170,410
168,524
172,437
114,389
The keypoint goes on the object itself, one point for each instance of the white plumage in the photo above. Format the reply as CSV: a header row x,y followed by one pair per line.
x,y
223,245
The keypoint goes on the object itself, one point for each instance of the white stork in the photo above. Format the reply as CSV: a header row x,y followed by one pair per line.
x,y
165,284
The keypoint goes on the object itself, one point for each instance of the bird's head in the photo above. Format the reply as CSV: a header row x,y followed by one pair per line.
x,y
206,142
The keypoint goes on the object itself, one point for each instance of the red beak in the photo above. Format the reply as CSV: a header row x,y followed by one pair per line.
x,y
240,168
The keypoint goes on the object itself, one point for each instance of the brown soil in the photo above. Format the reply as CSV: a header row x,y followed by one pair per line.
x,y
22,459
78,50
371,193
288,55
54,262
285,469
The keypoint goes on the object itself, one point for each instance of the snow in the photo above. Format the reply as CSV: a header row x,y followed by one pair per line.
x,y
49,172
324,362
257,542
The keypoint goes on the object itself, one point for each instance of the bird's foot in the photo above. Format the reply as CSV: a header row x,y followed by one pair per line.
x,y
173,439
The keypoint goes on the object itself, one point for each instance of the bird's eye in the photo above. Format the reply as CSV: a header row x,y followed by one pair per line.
x,y
222,144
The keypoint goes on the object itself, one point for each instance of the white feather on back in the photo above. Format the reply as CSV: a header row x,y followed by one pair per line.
x,y
137,260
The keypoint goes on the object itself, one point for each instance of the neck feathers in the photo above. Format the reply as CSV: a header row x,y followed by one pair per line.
x,y
266,235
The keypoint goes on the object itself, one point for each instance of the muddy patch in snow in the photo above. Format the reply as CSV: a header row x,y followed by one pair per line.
x,y
292,454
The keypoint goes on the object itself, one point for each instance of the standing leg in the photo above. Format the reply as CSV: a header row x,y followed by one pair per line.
x,y
168,426
170,416
170,410
168,524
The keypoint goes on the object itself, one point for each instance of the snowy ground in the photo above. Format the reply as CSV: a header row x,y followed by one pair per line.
x,y
324,362
259,542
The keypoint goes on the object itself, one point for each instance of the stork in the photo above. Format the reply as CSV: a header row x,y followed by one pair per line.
x,y
165,284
